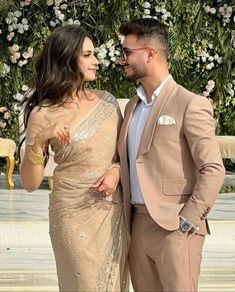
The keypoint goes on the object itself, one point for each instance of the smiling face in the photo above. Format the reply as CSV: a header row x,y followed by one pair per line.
x,y
87,61
135,58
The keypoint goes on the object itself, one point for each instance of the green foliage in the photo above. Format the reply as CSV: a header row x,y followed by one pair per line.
x,y
202,43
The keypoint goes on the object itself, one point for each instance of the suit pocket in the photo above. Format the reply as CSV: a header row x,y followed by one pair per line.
x,y
177,188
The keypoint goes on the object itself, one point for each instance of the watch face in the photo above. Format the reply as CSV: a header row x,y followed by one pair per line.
x,y
186,226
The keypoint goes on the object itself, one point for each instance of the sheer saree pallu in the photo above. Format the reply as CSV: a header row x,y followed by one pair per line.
x,y
86,229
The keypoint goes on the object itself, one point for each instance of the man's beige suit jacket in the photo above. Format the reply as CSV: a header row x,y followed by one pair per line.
x,y
178,163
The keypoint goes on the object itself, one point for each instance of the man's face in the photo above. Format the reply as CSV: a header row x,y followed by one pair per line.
x,y
134,58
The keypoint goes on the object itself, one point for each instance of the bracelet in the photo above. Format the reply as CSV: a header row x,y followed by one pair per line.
x,y
35,158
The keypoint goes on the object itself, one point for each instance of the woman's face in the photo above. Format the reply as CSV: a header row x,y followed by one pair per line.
x,y
87,62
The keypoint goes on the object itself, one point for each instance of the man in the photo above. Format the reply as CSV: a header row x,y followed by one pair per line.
x,y
171,165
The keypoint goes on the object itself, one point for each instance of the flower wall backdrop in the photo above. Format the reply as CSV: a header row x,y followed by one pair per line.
x,y
202,46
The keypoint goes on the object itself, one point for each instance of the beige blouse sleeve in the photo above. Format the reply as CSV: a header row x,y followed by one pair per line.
x,y
37,122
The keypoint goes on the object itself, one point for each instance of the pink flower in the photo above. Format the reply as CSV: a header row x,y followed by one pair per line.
x,y
3,109
10,36
2,125
7,115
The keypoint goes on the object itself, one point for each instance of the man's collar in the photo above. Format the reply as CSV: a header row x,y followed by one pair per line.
x,y
142,95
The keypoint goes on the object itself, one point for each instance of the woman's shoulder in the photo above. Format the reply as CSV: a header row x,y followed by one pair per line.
x,y
101,93
42,111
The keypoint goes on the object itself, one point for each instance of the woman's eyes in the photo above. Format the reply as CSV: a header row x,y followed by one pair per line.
x,y
86,55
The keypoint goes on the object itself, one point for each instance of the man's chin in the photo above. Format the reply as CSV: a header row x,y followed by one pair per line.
x,y
131,78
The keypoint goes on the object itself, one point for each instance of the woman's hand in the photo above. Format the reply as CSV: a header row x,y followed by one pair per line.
x,y
108,182
58,131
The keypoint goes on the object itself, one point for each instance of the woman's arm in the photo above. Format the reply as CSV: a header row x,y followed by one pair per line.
x,y
32,172
32,169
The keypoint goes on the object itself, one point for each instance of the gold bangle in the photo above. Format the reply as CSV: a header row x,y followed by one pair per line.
x,y
35,158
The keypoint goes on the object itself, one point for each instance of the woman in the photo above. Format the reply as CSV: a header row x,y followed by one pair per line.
x,y
81,125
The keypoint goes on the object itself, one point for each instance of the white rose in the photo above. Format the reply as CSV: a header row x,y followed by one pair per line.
x,y
10,28
52,24
209,66
61,17
22,63
207,8
157,9
220,60
109,43
50,2
211,58
18,96
147,5
216,56
113,59
15,19
57,12
25,88
63,6
222,10
111,54
204,59
212,10
6,69
18,13
205,93
106,63
164,16
146,11
24,21
231,92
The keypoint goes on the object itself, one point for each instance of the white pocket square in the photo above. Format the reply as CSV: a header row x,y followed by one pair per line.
x,y
165,120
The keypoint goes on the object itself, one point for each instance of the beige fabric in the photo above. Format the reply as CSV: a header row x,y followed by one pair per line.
x,y
180,172
168,261
7,147
227,146
87,231
51,165
179,166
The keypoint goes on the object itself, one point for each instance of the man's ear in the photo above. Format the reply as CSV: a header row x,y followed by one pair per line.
x,y
151,54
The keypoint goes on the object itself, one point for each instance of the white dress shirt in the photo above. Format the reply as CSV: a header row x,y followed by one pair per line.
x,y
135,132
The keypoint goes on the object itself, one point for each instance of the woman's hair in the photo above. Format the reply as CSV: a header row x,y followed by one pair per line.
x,y
56,71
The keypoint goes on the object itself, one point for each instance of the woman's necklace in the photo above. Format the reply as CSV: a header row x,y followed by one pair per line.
x,y
74,101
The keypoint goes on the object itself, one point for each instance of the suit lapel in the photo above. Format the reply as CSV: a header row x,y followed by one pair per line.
x,y
124,129
150,125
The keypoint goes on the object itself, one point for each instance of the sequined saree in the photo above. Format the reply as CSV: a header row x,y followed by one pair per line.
x,y
87,231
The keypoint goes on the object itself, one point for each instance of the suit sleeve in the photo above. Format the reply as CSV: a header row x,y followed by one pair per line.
x,y
200,134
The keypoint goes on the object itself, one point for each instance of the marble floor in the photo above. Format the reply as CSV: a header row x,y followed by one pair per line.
x,y
27,260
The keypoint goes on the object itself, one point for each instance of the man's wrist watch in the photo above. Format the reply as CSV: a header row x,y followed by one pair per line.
x,y
186,225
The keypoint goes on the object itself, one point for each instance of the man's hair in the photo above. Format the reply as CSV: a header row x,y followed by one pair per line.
x,y
147,29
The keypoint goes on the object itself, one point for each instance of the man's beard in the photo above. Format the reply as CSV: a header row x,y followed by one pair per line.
x,y
138,73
